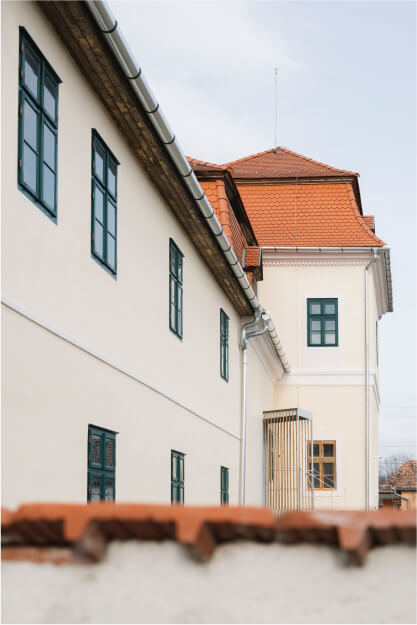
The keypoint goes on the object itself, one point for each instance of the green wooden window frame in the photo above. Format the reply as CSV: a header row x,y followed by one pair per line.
x,y
224,345
224,486
177,477
175,288
103,204
37,171
322,322
101,480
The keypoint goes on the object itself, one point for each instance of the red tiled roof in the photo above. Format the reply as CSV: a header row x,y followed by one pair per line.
x,y
203,165
216,194
252,256
405,478
370,221
282,164
307,215
87,528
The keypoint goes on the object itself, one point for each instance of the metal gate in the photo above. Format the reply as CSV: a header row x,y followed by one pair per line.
x,y
287,434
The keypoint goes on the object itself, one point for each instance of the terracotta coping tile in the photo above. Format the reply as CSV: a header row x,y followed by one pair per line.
x,y
87,528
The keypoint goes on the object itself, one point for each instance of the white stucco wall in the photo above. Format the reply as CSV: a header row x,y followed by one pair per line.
x,y
329,381
52,389
243,583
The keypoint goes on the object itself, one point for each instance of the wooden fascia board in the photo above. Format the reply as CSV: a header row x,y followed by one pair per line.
x,y
74,25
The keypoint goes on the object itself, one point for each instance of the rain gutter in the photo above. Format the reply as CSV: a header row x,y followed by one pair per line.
x,y
111,32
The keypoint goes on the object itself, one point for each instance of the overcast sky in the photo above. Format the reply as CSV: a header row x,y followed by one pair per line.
x,y
347,97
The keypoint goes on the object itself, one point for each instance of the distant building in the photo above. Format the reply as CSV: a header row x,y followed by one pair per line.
x,y
400,490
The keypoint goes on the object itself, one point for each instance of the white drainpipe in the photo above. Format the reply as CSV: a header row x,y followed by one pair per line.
x,y
367,381
263,315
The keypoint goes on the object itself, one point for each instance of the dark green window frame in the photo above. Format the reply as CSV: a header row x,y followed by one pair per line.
x,y
177,477
37,170
103,204
322,322
175,288
224,486
224,345
101,479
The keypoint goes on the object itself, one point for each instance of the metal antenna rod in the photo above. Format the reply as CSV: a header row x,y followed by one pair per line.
x,y
276,111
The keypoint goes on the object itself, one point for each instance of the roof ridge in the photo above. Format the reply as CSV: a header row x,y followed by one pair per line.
x,y
291,152
248,158
206,163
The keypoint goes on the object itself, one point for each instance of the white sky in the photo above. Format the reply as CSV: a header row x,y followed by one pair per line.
x,y
347,97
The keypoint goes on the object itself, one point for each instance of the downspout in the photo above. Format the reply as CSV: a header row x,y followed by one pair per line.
x,y
111,32
367,382
394,490
260,314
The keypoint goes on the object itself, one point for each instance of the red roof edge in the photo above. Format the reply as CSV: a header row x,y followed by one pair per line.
x,y
87,528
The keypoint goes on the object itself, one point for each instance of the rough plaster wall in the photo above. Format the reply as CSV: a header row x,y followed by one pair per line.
x,y
243,583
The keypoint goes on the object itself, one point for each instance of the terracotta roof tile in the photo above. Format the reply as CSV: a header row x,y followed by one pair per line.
x,y
405,478
306,215
252,257
282,164
87,528
198,165
216,194
370,221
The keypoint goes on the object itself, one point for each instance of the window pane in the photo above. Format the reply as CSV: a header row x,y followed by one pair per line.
x,y
315,338
98,204
328,449
49,96
98,238
315,325
108,489
48,190
181,468
330,339
179,272
328,481
316,482
99,163
316,449
31,71
30,125
315,309
95,455
181,494
172,260
111,179
330,309
111,251
330,325
109,452
95,488
174,467
328,468
29,168
49,147
111,218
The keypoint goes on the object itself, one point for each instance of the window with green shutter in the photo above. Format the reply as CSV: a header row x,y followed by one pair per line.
x,y
224,345
322,323
101,464
38,127
177,477
104,204
224,486
175,288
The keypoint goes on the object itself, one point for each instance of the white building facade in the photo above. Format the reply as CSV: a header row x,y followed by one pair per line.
x,y
121,309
